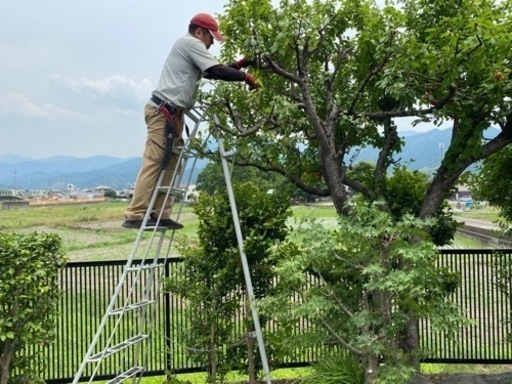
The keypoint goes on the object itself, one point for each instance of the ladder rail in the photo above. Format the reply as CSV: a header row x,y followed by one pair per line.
x,y
245,264
197,116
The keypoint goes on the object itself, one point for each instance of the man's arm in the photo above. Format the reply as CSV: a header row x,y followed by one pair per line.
x,y
224,72
228,73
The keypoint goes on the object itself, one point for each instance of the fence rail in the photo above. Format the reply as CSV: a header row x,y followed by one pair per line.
x,y
88,287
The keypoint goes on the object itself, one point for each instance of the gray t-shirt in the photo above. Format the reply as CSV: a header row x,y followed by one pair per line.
x,y
183,70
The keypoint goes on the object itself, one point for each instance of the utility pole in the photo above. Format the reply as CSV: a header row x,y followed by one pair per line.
x,y
15,182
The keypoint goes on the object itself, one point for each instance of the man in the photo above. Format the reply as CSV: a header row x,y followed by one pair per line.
x,y
188,61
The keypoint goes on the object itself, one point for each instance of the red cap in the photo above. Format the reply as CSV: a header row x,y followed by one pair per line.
x,y
207,21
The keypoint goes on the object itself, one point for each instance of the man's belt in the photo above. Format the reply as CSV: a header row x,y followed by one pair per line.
x,y
168,107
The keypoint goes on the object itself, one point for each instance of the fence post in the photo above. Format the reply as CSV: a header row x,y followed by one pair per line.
x,y
167,325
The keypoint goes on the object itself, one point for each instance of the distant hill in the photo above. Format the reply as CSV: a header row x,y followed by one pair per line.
x,y
57,172
9,158
422,151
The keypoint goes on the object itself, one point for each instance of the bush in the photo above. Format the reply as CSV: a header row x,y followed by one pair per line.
x,y
29,268
337,369
213,283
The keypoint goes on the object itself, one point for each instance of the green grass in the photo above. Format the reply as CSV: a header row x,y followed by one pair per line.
x,y
60,215
446,369
234,377
462,242
488,214
93,232
314,211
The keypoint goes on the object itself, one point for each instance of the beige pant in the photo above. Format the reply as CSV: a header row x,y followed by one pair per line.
x,y
151,166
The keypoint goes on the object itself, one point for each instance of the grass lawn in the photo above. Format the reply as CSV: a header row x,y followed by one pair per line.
x,y
482,213
92,232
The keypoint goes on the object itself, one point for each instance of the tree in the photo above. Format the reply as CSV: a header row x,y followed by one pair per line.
x,y
338,74
211,179
345,281
29,268
213,283
493,182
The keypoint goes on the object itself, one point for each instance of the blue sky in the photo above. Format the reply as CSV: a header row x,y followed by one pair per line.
x,y
75,74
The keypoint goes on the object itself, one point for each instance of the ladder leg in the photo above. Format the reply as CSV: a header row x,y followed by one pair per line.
x,y
245,264
150,288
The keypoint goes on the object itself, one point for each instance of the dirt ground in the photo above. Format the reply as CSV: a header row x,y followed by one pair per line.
x,y
502,378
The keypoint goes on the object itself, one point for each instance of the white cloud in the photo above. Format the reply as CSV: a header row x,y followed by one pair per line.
x,y
18,104
117,87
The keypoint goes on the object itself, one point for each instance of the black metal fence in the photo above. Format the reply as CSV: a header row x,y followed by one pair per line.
x,y
88,287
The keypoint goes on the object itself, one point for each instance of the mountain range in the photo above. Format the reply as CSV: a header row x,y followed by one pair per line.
x,y
421,151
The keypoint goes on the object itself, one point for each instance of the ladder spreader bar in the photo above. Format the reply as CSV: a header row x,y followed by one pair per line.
x,y
126,375
132,307
118,347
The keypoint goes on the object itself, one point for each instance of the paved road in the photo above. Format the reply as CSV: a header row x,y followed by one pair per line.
x,y
476,222
502,378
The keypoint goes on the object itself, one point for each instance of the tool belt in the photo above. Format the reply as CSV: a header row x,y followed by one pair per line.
x,y
169,111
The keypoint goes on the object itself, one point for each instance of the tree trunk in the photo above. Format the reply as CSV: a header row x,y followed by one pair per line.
x,y
411,343
212,353
372,369
5,362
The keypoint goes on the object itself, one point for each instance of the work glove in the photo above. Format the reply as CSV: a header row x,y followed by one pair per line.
x,y
251,82
244,62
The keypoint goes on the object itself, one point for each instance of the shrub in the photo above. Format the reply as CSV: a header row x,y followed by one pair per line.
x,y
29,267
213,283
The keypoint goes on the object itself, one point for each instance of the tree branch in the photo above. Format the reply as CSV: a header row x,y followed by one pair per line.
x,y
340,339
281,71
372,73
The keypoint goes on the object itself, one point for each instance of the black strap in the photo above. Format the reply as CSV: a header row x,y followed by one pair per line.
x,y
170,134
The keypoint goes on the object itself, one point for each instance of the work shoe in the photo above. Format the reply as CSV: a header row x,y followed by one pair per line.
x,y
132,223
168,223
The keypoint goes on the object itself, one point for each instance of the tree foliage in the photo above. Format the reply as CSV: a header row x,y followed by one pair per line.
x,y
213,283
211,179
493,182
29,268
338,74
359,300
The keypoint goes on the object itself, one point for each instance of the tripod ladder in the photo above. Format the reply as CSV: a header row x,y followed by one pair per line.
x,y
138,287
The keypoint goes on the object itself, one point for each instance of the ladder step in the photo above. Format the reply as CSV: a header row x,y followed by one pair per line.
x,y
144,267
118,347
151,228
132,307
185,153
228,155
126,375
173,190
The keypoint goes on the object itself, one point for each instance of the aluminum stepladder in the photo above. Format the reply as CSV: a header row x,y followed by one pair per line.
x,y
140,284
225,156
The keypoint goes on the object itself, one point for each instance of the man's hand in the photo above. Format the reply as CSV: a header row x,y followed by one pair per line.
x,y
251,82
244,62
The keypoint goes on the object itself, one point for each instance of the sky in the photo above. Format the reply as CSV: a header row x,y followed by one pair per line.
x,y
75,74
